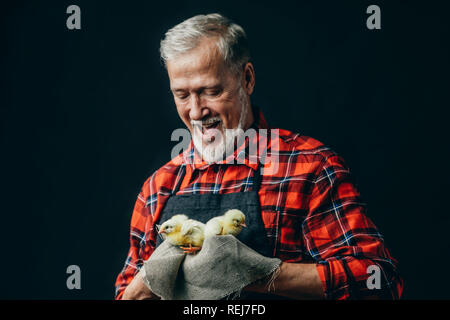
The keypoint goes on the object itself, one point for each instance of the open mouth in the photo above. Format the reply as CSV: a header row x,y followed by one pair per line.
x,y
210,125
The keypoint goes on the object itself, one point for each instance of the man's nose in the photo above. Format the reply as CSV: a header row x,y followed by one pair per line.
x,y
198,109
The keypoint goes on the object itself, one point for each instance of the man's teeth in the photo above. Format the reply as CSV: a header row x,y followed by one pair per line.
x,y
211,124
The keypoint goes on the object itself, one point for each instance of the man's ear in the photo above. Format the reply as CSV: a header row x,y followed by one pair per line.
x,y
248,78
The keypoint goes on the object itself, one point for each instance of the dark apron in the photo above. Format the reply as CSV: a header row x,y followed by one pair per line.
x,y
203,207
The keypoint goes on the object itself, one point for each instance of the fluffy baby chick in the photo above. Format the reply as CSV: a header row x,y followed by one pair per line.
x,y
230,223
171,229
193,234
186,233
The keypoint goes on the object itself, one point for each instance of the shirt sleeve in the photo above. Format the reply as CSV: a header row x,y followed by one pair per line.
x,y
348,249
139,248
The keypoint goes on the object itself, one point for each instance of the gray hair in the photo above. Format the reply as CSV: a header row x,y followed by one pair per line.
x,y
231,39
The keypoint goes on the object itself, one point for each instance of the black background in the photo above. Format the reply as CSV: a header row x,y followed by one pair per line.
x,y
86,116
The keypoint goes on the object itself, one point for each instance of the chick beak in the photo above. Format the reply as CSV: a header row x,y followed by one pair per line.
x,y
243,225
161,231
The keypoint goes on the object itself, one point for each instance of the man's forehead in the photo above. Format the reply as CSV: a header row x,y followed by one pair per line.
x,y
193,81
203,64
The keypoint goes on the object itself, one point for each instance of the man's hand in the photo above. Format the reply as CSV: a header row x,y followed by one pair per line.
x,y
295,280
138,290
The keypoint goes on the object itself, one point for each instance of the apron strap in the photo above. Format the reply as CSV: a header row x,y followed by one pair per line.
x,y
257,177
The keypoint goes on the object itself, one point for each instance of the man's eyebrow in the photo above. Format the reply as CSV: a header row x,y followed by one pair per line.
x,y
177,90
214,86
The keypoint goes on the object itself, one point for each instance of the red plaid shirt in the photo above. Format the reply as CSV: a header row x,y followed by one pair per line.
x,y
310,208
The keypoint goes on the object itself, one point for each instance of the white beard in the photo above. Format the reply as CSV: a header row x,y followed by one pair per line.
x,y
220,148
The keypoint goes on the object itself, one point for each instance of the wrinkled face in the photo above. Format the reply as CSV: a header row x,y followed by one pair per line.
x,y
209,98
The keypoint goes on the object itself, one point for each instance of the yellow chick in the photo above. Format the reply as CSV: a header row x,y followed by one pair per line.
x,y
193,233
186,233
171,229
230,223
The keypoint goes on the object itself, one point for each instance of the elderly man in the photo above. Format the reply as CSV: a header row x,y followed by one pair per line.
x,y
307,206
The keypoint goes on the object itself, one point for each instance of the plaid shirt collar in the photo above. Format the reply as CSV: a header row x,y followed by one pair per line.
x,y
241,155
